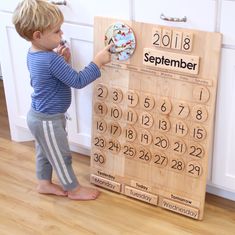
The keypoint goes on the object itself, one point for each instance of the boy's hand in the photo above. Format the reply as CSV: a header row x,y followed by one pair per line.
x,y
64,51
103,57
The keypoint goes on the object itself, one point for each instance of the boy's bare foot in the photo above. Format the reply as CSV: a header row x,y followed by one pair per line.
x,y
83,193
46,187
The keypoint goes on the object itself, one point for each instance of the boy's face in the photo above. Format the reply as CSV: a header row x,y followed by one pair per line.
x,y
50,38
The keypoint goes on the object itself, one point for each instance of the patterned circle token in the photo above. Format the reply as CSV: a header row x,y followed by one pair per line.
x,y
123,38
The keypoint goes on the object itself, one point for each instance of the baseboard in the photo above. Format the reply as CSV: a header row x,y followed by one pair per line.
x,y
79,149
213,189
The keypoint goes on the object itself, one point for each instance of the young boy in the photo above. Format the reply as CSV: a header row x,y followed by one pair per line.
x,y
52,78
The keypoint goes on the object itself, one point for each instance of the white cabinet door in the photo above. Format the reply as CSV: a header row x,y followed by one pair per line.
x,y
83,11
226,22
16,77
80,41
200,14
223,169
8,6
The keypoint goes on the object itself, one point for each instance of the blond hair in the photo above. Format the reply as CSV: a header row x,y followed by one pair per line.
x,y
35,15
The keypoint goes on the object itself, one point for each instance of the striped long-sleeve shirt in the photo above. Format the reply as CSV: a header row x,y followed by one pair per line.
x,y
52,79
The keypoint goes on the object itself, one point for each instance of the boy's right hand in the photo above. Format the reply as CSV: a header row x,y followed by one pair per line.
x,y
103,57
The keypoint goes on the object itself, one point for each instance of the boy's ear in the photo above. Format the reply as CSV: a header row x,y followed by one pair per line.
x,y
36,35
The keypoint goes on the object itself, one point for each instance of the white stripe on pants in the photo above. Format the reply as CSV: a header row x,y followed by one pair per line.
x,y
53,154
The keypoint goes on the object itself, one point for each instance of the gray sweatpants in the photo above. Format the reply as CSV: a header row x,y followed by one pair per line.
x,y
52,149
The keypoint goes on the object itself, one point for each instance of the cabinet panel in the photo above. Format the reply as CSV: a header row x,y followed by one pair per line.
x,y
9,5
200,14
223,169
227,19
83,11
16,78
80,41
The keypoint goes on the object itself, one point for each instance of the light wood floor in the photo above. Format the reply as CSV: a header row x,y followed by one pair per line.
x,y
24,211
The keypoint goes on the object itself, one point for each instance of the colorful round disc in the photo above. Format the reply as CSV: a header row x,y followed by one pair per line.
x,y
124,41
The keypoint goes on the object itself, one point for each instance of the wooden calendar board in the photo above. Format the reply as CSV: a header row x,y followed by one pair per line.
x,y
153,116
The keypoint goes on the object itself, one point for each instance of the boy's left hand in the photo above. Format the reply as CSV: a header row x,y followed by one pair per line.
x,y
64,51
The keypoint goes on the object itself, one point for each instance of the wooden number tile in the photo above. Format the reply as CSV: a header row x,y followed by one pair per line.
x,y
199,113
176,164
99,142
160,141
115,112
101,91
113,146
128,150
166,38
108,184
143,154
114,129
198,132
195,150
141,195
146,120
194,169
116,95
145,137
129,133
100,126
164,105
156,36
178,146
132,98
159,159
180,109
179,128
201,94
176,41
147,102
187,42
100,109
98,158
130,116
162,123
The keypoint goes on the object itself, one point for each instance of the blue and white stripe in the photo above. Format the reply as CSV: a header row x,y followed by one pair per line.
x,y
52,79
